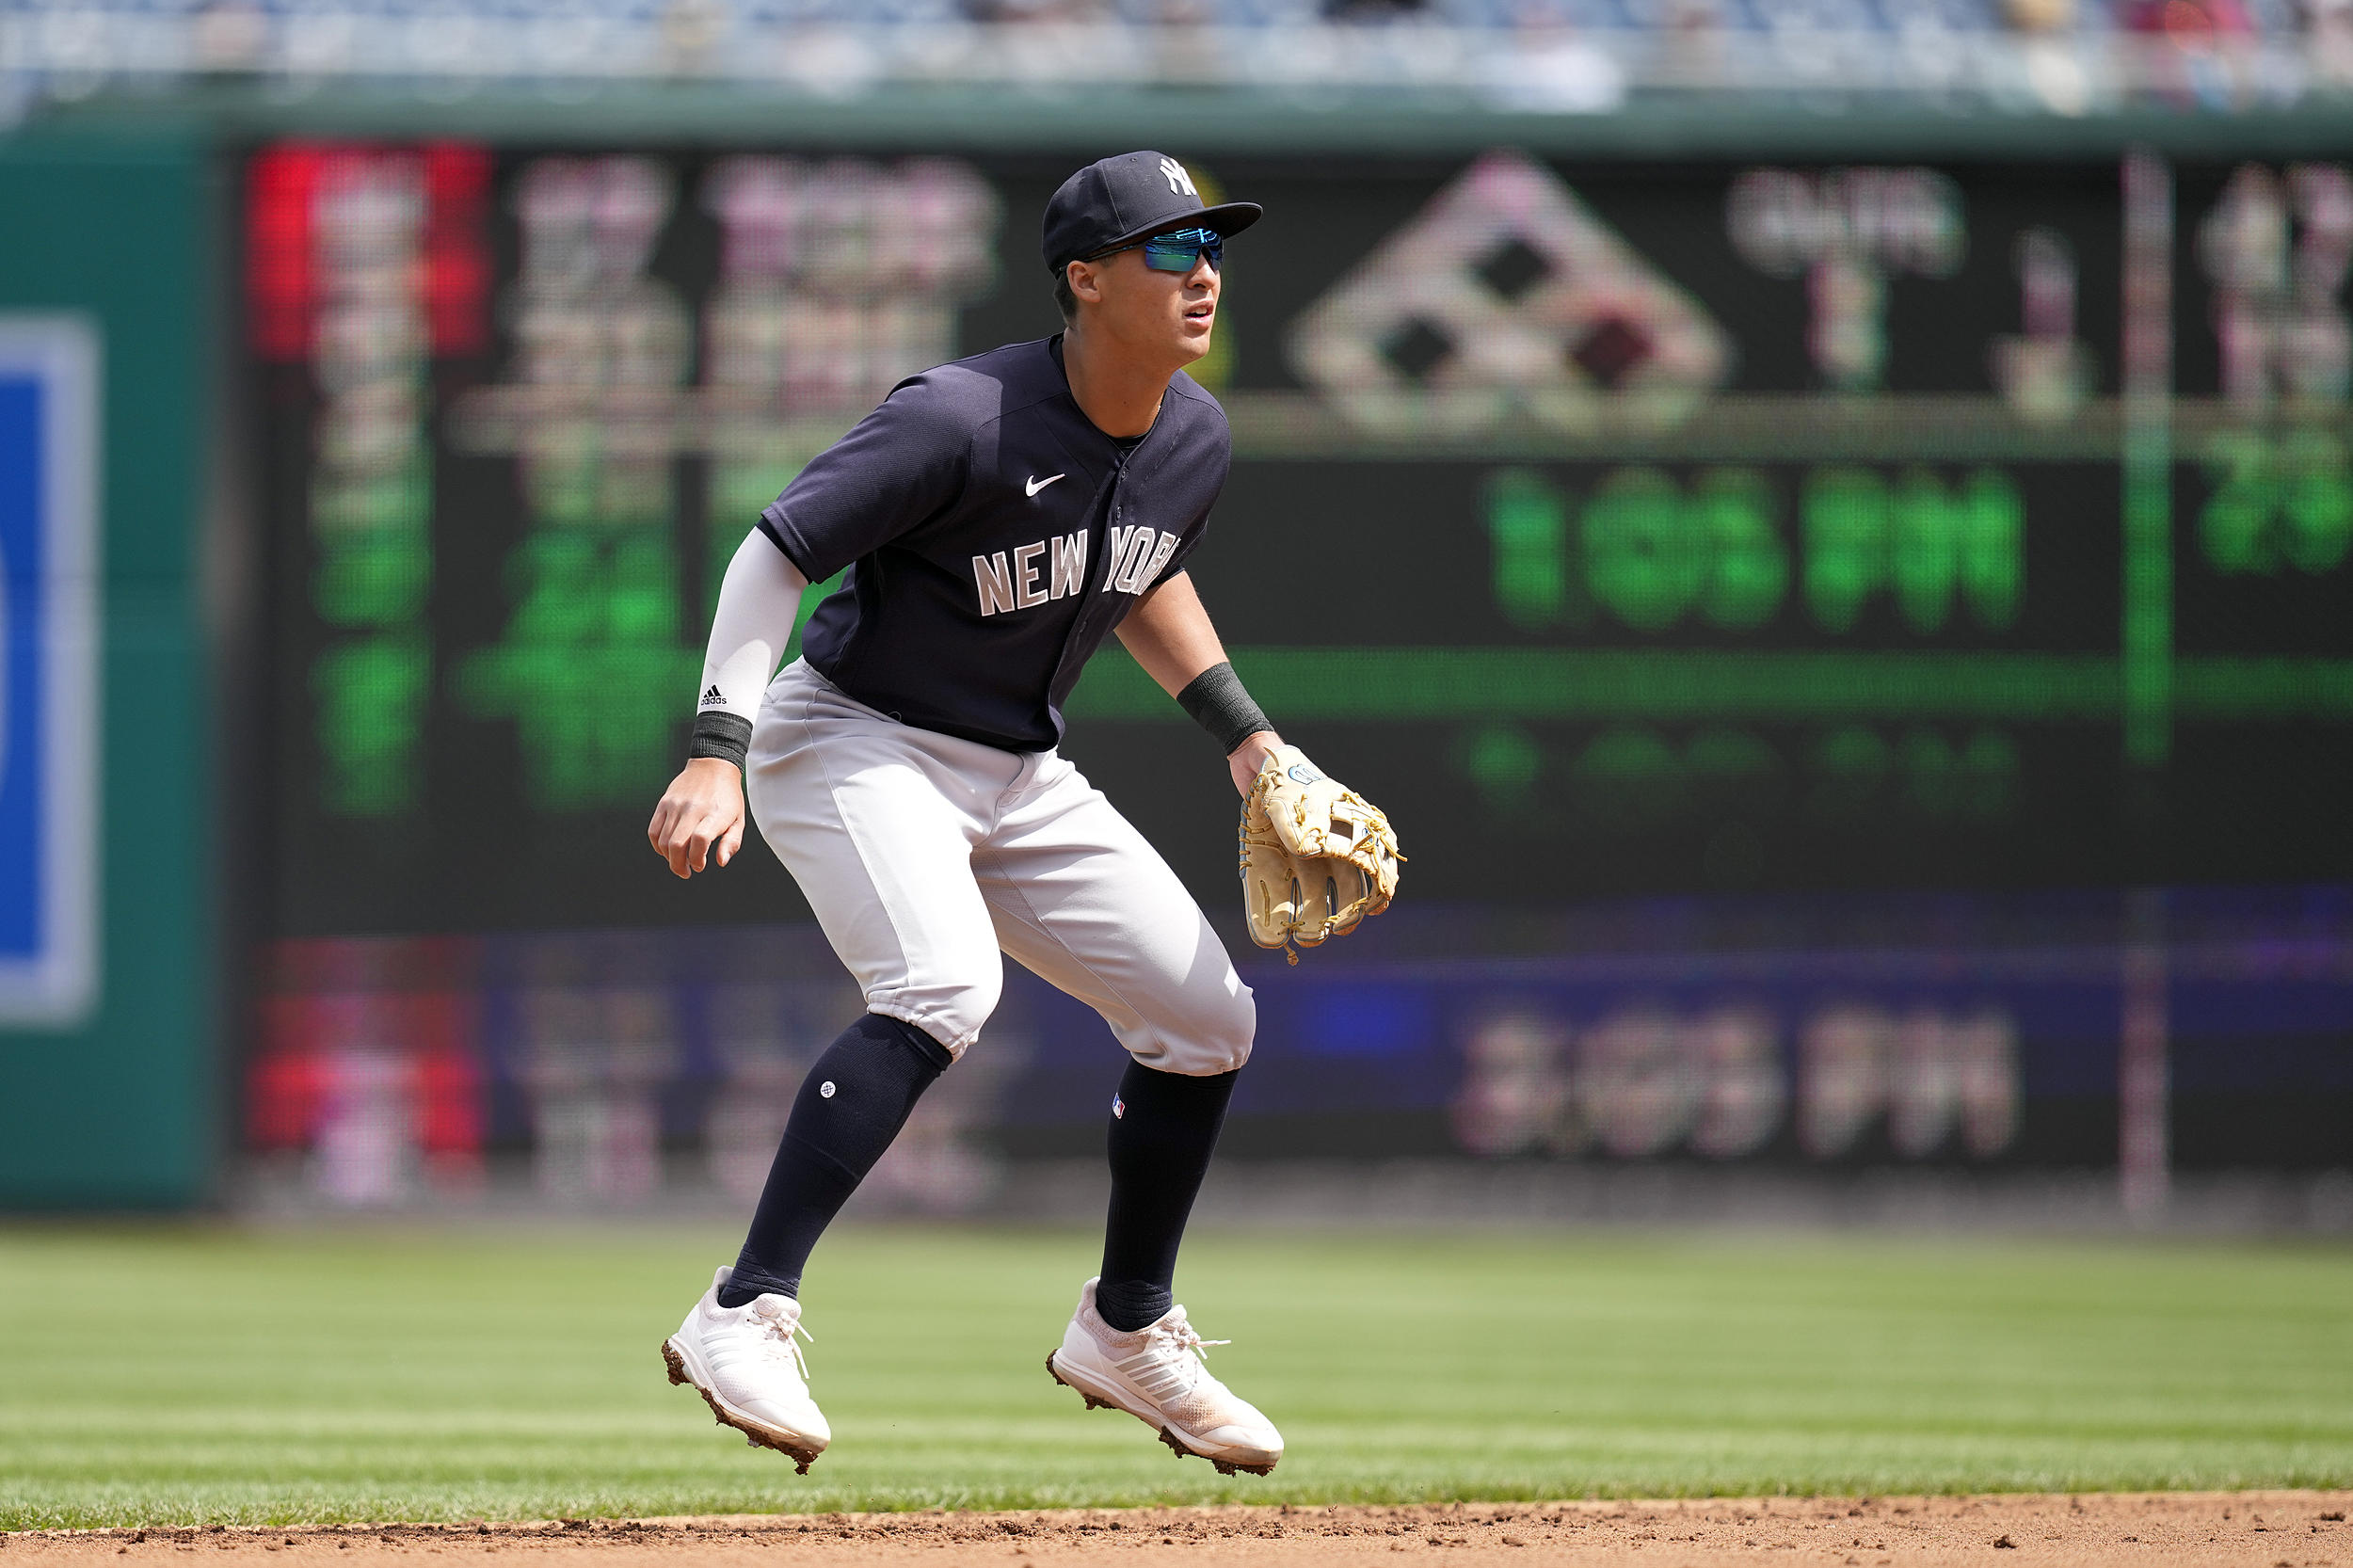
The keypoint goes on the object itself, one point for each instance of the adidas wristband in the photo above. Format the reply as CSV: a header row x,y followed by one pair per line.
x,y
722,734
1217,704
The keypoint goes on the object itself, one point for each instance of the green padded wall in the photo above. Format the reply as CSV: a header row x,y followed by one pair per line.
x,y
124,1111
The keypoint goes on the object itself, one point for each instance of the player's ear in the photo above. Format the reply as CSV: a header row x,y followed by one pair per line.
x,y
1086,281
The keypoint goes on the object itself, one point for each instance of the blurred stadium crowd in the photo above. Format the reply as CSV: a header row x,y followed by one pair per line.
x,y
1538,55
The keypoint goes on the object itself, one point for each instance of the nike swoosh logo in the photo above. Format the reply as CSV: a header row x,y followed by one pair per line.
x,y
1036,483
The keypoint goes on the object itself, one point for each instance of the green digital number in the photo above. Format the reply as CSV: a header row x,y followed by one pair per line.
x,y
1845,512
1734,510
1643,549
372,576
1924,549
1850,766
1925,544
1642,558
576,478
369,697
1993,549
1503,762
1932,782
1528,530
1629,777
1989,776
1735,771
589,668
402,499
1653,555
2284,502
372,534
574,588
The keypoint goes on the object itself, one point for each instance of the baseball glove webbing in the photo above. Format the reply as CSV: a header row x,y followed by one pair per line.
x,y
1317,857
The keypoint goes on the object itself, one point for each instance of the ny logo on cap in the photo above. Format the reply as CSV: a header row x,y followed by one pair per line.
x,y
1179,183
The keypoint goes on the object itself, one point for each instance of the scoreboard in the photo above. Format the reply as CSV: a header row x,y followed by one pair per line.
x,y
1622,529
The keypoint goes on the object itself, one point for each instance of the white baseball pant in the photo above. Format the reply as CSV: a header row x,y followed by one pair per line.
x,y
923,856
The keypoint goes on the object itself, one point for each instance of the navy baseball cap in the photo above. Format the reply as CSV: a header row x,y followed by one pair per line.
x,y
1115,201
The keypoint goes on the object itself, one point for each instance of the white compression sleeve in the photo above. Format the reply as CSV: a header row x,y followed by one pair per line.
x,y
759,598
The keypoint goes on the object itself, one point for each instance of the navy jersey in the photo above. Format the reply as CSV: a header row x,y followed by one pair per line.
x,y
994,536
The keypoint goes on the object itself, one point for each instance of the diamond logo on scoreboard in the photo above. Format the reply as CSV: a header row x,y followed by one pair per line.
x,y
1506,296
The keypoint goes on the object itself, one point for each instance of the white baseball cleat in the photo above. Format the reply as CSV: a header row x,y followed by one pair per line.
x,y
1158,1374
744,1362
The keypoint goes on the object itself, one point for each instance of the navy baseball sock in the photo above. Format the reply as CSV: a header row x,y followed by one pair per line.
x,y
1164,1127
852,1104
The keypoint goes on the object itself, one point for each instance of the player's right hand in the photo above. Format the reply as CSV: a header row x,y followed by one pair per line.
x,y
700,817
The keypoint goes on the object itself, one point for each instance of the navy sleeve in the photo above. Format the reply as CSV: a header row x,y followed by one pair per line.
x,y
1177,559
901,464
1220,463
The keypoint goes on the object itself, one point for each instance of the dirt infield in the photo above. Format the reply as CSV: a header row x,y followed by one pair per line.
x,y
2265,1529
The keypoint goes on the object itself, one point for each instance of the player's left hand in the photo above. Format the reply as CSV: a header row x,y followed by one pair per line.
x,y
700,819
1250,757
1317,857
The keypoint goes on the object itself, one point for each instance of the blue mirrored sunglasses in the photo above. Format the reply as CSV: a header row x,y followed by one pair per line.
x,y
1176,251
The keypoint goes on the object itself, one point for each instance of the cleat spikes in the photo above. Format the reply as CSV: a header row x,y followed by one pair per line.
x,y
801,1457
746,1364
1092,1404
1225,1466
1157,1375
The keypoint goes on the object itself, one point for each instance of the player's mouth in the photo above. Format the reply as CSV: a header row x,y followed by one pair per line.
x,y
1201,314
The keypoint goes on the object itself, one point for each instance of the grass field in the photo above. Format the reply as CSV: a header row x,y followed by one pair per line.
x,y
187,1376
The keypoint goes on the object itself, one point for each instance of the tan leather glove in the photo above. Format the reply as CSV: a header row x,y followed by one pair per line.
x,y
1317,857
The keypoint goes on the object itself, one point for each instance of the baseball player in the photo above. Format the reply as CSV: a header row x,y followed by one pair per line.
x,y
999,516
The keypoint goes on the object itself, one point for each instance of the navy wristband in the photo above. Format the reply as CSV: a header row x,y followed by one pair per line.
x,y
719,733
1217,704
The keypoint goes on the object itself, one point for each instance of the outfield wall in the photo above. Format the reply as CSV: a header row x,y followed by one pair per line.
x,y
1759,1043
1911,827
118,1102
